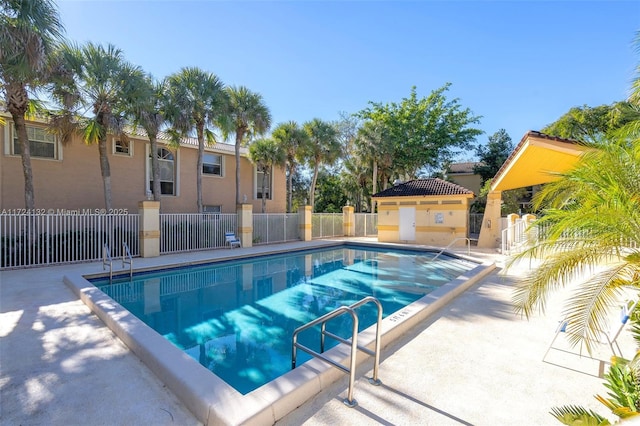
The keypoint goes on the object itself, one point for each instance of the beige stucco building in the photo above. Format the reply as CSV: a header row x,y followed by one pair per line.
x,y
463,175
424,211
68,177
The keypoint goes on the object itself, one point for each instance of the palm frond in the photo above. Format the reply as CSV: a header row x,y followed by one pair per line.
x,y
587,310
575,415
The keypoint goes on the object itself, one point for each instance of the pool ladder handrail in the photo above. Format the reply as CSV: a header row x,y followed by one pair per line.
x,y
127,258
351,370
451,243
108,260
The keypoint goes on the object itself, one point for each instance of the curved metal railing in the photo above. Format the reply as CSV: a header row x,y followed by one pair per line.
x,y
351,370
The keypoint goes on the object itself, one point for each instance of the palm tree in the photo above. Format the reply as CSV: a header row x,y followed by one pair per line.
x,y
29,31
292,139
196,99
592,215
247,116
323,148
148,111
374,148
98,92
266,154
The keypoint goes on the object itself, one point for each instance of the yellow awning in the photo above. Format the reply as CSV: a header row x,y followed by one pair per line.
x,y
536,160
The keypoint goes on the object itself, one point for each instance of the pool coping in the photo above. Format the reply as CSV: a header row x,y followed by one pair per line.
x,y
213,401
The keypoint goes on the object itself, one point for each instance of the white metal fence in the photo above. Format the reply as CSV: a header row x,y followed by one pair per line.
x,y
515,236
188,232
325,225
275,228
366,224
48,239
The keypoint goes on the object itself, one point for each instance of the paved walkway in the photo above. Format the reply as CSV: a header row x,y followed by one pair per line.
x,y
474,362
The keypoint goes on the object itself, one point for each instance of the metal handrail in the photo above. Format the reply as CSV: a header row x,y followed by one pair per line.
x,y
107,260
127,258
451,243
349,401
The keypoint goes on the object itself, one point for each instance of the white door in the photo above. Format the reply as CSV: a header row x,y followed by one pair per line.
x,y
407,223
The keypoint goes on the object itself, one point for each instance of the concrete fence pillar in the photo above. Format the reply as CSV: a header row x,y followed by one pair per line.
x,y
304,223
245,224
348,221
511,232
149,228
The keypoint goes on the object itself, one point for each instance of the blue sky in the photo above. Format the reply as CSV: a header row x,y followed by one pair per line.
x,y
520,65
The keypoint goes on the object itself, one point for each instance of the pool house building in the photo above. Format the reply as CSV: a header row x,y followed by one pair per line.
x,y
424,211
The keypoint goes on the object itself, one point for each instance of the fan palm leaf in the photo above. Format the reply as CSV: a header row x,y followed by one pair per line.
x,y
590,225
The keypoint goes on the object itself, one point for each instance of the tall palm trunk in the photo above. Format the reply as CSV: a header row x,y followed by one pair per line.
x,y
239,136
291,170
17,101
105,170
200,133
375,185
264,199
312,189
155,166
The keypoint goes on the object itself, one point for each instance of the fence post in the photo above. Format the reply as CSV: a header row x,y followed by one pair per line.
x,y
511,233
245,224
149,228
304,223
348,221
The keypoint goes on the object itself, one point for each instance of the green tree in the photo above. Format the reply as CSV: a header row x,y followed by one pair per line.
x,y
248,115
355,176
266,154
594,124
196,100
292,139
323,148
424,132
374,147
102,82
29,33
511,200
591,218
331,193
493,155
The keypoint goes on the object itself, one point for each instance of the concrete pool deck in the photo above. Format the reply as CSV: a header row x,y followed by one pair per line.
x,y
472,362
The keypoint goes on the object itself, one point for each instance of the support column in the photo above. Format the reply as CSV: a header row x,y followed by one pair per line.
x,y
149,232
245,224
304,223
348,221
490,230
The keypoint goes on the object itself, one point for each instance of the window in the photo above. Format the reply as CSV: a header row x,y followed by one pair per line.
x,y
212,164
42,144
260,174
212,209
122,147
167,172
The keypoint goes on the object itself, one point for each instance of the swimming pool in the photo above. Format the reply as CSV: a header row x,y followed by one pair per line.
x,y
211,399
237,318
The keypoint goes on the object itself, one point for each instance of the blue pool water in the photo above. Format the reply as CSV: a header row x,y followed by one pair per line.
x,y
237,318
